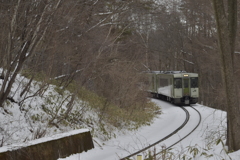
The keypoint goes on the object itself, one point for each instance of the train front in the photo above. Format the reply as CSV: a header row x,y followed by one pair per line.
x,y
186,90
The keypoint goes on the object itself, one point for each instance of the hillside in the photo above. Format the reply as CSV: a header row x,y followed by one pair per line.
x,y
54,110
46,109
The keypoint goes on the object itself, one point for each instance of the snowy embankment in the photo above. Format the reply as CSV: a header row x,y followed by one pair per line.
x,y
200,145
43,111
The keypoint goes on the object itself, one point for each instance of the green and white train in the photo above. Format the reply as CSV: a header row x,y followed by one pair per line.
x,y
177,87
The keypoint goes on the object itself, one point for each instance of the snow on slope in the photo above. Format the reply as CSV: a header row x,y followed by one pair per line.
x,y
31,119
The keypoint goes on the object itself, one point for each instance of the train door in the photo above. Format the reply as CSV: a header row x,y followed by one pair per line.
x,y
186,89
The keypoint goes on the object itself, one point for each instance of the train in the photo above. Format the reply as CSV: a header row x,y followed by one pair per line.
x,y
177,87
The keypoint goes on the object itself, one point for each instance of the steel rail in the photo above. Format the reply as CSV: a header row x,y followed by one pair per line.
x,y
168,136
200,119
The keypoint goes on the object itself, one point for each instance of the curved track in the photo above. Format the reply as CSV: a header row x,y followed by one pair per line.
x,y
169,135
200,118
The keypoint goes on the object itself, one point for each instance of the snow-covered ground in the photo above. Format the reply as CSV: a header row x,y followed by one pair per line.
x,y
206,142
27,122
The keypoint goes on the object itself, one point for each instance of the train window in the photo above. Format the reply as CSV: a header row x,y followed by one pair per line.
x,y
163,82
177,83
194,82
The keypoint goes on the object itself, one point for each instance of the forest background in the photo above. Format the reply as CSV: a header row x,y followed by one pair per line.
x,y
102,46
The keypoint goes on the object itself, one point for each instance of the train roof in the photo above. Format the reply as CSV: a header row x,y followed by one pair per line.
x,y
169,72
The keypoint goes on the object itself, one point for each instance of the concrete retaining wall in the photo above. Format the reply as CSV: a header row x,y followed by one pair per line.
x,y
50,148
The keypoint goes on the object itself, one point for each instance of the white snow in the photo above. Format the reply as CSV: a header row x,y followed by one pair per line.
x,y
200,145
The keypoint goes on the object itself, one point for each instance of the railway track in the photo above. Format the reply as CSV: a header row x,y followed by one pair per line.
x,y
170,135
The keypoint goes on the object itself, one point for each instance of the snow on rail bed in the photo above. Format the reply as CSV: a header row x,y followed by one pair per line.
x,y
203,140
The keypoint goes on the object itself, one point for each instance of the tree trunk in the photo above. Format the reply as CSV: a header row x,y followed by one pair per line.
x,y
227,26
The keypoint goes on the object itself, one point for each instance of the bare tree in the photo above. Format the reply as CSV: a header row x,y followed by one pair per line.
x,y
27,23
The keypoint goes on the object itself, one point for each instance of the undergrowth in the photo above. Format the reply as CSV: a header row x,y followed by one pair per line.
x,y
130,118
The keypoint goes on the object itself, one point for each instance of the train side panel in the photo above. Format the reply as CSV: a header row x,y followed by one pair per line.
x,y
152,88
165,85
